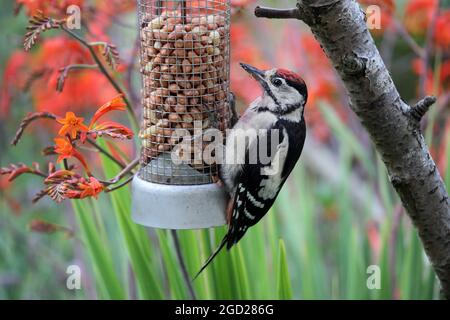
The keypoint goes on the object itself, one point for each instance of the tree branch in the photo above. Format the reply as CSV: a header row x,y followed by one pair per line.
x,y
420,108
340,28
272,13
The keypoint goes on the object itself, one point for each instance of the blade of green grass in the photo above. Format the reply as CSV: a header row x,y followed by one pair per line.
x,y
385,291
108,283
135,238
412,275
284,290
193,259
240,272
346,136
172,267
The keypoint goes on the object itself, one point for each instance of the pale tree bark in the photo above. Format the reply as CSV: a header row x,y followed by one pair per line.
x,y
394,126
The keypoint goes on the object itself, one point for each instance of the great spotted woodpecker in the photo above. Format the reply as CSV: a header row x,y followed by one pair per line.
x,y
254,185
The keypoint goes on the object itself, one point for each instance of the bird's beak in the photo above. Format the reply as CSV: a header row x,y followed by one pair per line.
x,y
257,74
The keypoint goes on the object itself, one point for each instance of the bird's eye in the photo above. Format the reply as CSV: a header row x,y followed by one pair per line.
x,y
277,82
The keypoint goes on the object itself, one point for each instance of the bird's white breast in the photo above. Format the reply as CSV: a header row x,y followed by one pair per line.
x,y
251,125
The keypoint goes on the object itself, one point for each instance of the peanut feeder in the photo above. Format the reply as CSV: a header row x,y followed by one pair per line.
x,y
184,62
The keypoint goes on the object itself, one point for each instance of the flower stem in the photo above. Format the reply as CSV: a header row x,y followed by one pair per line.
x,y
123,184
102,68
183,264
127,170
105,152
29,119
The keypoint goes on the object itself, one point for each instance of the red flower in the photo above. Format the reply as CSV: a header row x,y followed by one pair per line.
x,y
385,5
418,14
48,7
43,65
241,3
387,9
444,76
442,30
244,50
13,78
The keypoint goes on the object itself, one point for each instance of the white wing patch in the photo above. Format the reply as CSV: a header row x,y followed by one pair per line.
x,y
255,202
248,214
269,187
234,155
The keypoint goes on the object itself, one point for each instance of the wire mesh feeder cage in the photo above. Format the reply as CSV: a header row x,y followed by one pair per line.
x,y
185,54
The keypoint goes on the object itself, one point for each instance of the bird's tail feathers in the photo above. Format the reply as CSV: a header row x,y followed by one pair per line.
x,y
212,256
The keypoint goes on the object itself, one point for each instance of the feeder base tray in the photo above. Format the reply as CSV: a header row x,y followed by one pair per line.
x,y
178,206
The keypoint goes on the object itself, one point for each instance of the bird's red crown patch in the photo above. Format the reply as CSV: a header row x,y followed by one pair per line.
x,y
290,76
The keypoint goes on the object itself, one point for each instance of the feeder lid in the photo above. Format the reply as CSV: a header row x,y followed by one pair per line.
x,y
178,206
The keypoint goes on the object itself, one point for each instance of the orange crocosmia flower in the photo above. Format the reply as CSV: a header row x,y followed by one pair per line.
x,y
71,125
116,103
91,188
66,150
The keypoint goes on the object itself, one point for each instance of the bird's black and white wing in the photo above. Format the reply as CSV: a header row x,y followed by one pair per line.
x,y
259,185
